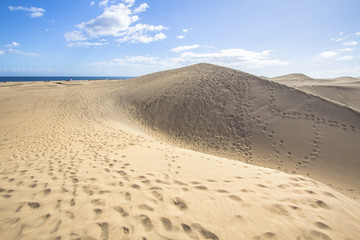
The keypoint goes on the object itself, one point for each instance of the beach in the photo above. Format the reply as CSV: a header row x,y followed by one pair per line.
x,y
200,152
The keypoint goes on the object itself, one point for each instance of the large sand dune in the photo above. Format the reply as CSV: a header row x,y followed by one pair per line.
x,y
102,159
233,114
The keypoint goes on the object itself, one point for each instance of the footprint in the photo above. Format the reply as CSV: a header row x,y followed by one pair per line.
x,y
98,211
70,214
135,186
267,235
128,196
322,225
104,230
121,211
180,183
19,208
98,202
166,223
126,230
185,227
206,233
146,207
34,204
201,187
222,191
47,191
235,198
322,204
56,228
158,195
320,235
180,203
279,209
58,204
146,222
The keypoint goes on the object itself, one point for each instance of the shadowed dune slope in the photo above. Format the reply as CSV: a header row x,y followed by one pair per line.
x,y
229,113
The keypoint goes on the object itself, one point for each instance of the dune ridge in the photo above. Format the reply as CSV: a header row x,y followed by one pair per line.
x,y
341,90
233,114
76,164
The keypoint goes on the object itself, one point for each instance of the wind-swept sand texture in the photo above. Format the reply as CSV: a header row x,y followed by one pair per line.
x,y
74,163
342,90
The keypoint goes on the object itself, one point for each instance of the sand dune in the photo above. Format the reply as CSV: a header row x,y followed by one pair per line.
x,y
343,90
233,114
102,159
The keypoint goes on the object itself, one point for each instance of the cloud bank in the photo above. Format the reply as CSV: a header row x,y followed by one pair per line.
x,y
235,57
117,21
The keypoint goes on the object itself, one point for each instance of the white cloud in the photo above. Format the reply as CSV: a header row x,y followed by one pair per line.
x,y
159,37
235,57
112,21
74,36
184,48
138,34
328,54
103,2
239,58
34,12
351,43
117,21
141,8
139,38
358,33
346,58
13,44
185,31
92,3
346,49
130,2
133,60
339,39
87,44
2,52
14,51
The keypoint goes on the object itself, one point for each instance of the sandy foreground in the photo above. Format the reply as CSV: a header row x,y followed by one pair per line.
x,y
202,152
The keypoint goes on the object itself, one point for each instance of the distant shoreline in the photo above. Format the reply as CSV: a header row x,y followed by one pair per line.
x,y
57,78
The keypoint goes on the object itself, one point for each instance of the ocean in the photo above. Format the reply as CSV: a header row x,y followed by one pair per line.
x,y
57,78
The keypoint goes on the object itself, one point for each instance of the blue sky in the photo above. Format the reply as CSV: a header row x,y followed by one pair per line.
x,y
129,38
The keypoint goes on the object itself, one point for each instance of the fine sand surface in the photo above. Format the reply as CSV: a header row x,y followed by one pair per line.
x,y
343,90
180,154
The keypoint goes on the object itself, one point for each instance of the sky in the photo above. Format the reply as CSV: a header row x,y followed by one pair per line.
x,y
320,38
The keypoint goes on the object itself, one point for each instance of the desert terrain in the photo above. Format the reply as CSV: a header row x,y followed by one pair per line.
x,y
200,152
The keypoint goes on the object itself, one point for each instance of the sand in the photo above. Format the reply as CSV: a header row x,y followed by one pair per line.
x,y
342,90
202,152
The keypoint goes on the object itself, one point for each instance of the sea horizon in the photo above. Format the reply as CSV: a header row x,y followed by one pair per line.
x,y
58,78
